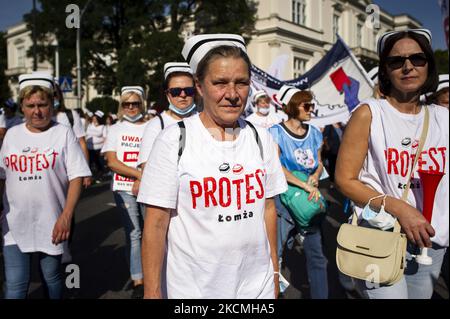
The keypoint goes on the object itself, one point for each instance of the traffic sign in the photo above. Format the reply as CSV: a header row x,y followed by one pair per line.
x,y
65,83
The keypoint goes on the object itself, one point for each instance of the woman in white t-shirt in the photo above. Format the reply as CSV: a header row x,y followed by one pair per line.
x,y
95,138
122,149
378,150
262,116
41,170
209,185
180,92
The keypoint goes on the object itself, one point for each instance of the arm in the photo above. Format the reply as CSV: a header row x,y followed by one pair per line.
x,y
87,181
61,230
120,168
153,248
270,218
2,133
352,153
314,178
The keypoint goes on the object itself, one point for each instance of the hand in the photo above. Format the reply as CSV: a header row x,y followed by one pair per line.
x,y
313,192
313,180
276,281
87,181
61,230
351,94
416,227
135,189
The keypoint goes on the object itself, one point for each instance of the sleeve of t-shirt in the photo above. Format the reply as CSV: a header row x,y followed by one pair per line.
x,y
151,132
275,179
160,182
77,125
110,144
75,161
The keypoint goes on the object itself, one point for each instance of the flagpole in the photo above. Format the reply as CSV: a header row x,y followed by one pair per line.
x,y
355,60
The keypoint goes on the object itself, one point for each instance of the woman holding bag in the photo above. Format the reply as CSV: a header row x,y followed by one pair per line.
x,y
299,146
379,147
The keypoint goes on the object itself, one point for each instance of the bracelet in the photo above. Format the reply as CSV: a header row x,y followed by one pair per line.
x,y
276,273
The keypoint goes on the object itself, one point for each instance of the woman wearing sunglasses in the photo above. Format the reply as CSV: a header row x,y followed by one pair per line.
x,y
299,146
180,93
121,149
378,150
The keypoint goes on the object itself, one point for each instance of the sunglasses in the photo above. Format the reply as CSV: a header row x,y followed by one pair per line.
x,y
131,104
396,62
309,106
189,91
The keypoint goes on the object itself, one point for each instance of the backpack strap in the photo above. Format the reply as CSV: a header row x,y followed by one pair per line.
x,y
69,115
258,140
182,143
161,120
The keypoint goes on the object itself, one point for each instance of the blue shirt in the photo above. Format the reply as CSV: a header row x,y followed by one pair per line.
x,y
298,153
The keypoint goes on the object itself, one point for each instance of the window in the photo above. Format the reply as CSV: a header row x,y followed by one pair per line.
x,y
299,12
335,27
21,56
299,67
359,34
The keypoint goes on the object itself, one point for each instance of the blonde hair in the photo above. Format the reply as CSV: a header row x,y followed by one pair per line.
x,y
125,97
28,91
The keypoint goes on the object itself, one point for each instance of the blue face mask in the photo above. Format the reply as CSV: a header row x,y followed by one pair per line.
x,y
181,112
381,219
133,119
56,104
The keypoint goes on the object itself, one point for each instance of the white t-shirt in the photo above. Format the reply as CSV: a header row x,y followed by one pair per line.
x,y
37,168
95,136
263,121
2,119
151,132
124,138
77,127
393,141
217,245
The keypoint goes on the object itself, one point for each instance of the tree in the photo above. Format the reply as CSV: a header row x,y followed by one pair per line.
x,y
127,42
105,104
441,57
5,93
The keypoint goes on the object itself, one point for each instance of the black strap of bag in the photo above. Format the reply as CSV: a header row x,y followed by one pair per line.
x,y
161,120
69,115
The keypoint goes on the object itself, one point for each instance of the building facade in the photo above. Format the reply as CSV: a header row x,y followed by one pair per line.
x,y
290,37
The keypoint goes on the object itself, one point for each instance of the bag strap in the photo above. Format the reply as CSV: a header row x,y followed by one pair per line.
x,y
258,140
69,115
182,143
423,137
160,120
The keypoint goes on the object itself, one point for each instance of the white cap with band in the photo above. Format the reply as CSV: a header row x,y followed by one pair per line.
x,y
258,94
172,67
136,89
198,46
443,82
382,40
42,79
99,113
285,94
373,75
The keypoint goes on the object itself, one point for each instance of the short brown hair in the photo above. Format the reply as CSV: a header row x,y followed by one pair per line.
x,y
291,109
28,91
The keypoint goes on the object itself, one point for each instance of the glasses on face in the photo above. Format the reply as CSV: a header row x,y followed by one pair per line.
x,y
396,62
309,106
131,105
189,91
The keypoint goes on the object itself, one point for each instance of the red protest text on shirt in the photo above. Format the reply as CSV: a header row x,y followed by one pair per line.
x,y
120,178
130,157
31,163
400,162
224,192
131,141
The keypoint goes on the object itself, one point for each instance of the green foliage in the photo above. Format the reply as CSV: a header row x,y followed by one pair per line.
x,y
5,93
127,42
105,104
441,57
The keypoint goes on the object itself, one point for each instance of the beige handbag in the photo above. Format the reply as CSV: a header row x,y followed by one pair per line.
x,y
372,254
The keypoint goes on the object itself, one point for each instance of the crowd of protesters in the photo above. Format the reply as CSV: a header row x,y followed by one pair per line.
x,y
211,198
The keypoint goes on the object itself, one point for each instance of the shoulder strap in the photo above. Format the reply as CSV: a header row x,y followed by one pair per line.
x,y
69,116
258,140
182,143
161,120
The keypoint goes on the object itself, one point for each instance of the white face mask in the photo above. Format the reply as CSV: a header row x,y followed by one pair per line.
x,y
382,219
133,119
264,111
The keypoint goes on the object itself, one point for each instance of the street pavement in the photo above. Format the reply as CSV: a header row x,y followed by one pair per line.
x,y
98,249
